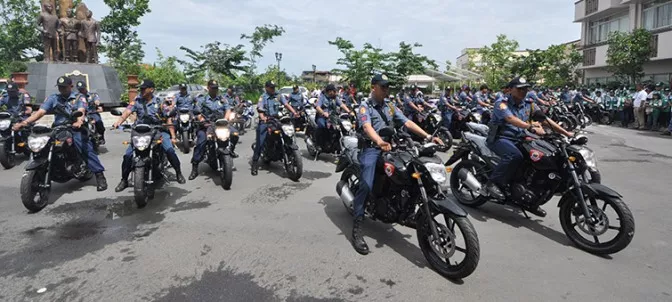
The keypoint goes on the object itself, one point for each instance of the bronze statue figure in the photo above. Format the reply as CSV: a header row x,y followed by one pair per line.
x,y
90,32
69,29
48,24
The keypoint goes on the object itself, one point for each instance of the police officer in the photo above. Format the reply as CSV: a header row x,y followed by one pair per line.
x,y
465,96
327,103
62,105
375,114
93,108
480,99
183,100
148,109
15,102
447,108
230,97
510,119
296,99
211,108
268,106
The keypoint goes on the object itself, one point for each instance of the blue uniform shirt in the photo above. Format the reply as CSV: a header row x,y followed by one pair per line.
x,y
183,101
415,99
505,107
478,96
89,101
212,108
231,100
442,103
62,107
271,103
532,96
153,114
564,97
296,99
463,98
327,104
370,113
578,98
17,107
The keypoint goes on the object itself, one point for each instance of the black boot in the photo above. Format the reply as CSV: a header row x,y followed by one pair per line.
x,y
536,210
255,168
102,182
357,240
234,142
194,172
175,162
123,184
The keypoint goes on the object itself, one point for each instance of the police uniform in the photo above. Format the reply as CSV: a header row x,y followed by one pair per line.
x,y
89,100
231,100
62,107
378,115
446,112
296,100
463,97
270,105
327,105
212,109
16,106
504,145
184,101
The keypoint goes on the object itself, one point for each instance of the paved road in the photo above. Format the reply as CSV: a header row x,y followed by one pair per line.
x,y
270,239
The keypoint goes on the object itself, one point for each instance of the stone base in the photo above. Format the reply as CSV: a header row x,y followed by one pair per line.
x,y
100,79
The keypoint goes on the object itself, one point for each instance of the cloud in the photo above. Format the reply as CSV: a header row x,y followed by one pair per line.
x,y
443,27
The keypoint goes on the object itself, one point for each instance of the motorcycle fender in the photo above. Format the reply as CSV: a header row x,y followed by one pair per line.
x,y
447,206
594,189
460,153
139,161
36,164
343,162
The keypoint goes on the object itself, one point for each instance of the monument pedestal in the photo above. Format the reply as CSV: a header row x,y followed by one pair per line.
x,y
100,79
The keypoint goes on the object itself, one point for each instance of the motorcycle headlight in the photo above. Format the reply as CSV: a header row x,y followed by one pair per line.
x,y
222,133
288,130
141,142
589,157
4,124
347,125
438,172
437,117
184,118
37,143
477,116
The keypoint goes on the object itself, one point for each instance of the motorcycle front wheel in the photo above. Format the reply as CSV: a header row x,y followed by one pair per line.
x,y
33,196
294,167
445,255
586,235
226,175
184,144
140,187
6,157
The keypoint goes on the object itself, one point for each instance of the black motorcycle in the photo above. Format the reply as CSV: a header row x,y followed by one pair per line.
x,y
554,165
11,142
561,115
430,121
149,162
598,113
584,120
460,120
218,151
94,137
338,125
185,129
55,159
409,178
281,146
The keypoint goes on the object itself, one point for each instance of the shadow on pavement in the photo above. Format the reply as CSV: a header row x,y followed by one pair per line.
x,y
384,235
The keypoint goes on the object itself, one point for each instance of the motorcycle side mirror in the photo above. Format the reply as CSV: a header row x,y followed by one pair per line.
x,y
539,116
580,140
117,111
387,131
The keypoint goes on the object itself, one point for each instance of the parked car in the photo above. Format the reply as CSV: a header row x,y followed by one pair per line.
x,y
193,89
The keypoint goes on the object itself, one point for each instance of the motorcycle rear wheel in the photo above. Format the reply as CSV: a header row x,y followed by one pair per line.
x,y
140,187
456,183
439,251
34,197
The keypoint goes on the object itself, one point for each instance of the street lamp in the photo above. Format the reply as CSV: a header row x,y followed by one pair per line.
x,y
314,70
278,57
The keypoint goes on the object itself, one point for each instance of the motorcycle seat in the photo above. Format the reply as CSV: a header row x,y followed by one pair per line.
x,y
480,142
478,129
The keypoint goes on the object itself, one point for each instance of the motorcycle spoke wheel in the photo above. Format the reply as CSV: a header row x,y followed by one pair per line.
x,y
611,230
33,196
462,192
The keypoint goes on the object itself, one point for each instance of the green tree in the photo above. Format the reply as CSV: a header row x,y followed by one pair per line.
x,y
627,54
355,69
561,65
215,59
164,72
121,43
496,61
529,66
405,62
261,36
449,65
19,36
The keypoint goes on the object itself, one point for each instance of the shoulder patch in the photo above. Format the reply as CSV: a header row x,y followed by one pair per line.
x,y
362,110
502,106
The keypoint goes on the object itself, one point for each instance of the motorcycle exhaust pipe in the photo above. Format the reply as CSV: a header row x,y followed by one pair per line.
x,y
469,180
344,192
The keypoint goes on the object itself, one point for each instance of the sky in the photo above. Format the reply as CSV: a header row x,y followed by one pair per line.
x,y
443,27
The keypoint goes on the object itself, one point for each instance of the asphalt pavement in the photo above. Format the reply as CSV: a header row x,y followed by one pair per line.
x,y
271,239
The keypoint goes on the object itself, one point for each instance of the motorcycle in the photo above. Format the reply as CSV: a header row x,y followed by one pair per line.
x,y
410,178
561,115
598,113
554,165
338,125
149,162
218,152
93,133
431,123
280,145
584,120
55,158
460,120
248,115
11,142
185,129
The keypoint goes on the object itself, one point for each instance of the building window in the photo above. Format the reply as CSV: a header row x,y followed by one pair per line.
x,y
657,14
654,46
591,6
589,57
599,31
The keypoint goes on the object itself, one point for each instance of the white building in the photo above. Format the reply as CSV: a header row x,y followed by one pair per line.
x,y
600,17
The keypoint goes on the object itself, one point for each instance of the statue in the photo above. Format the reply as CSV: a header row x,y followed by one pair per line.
x,y
48,23
90,32
69,29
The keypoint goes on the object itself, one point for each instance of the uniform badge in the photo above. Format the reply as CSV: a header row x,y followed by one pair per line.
x,y
61,80
362,110
502,106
